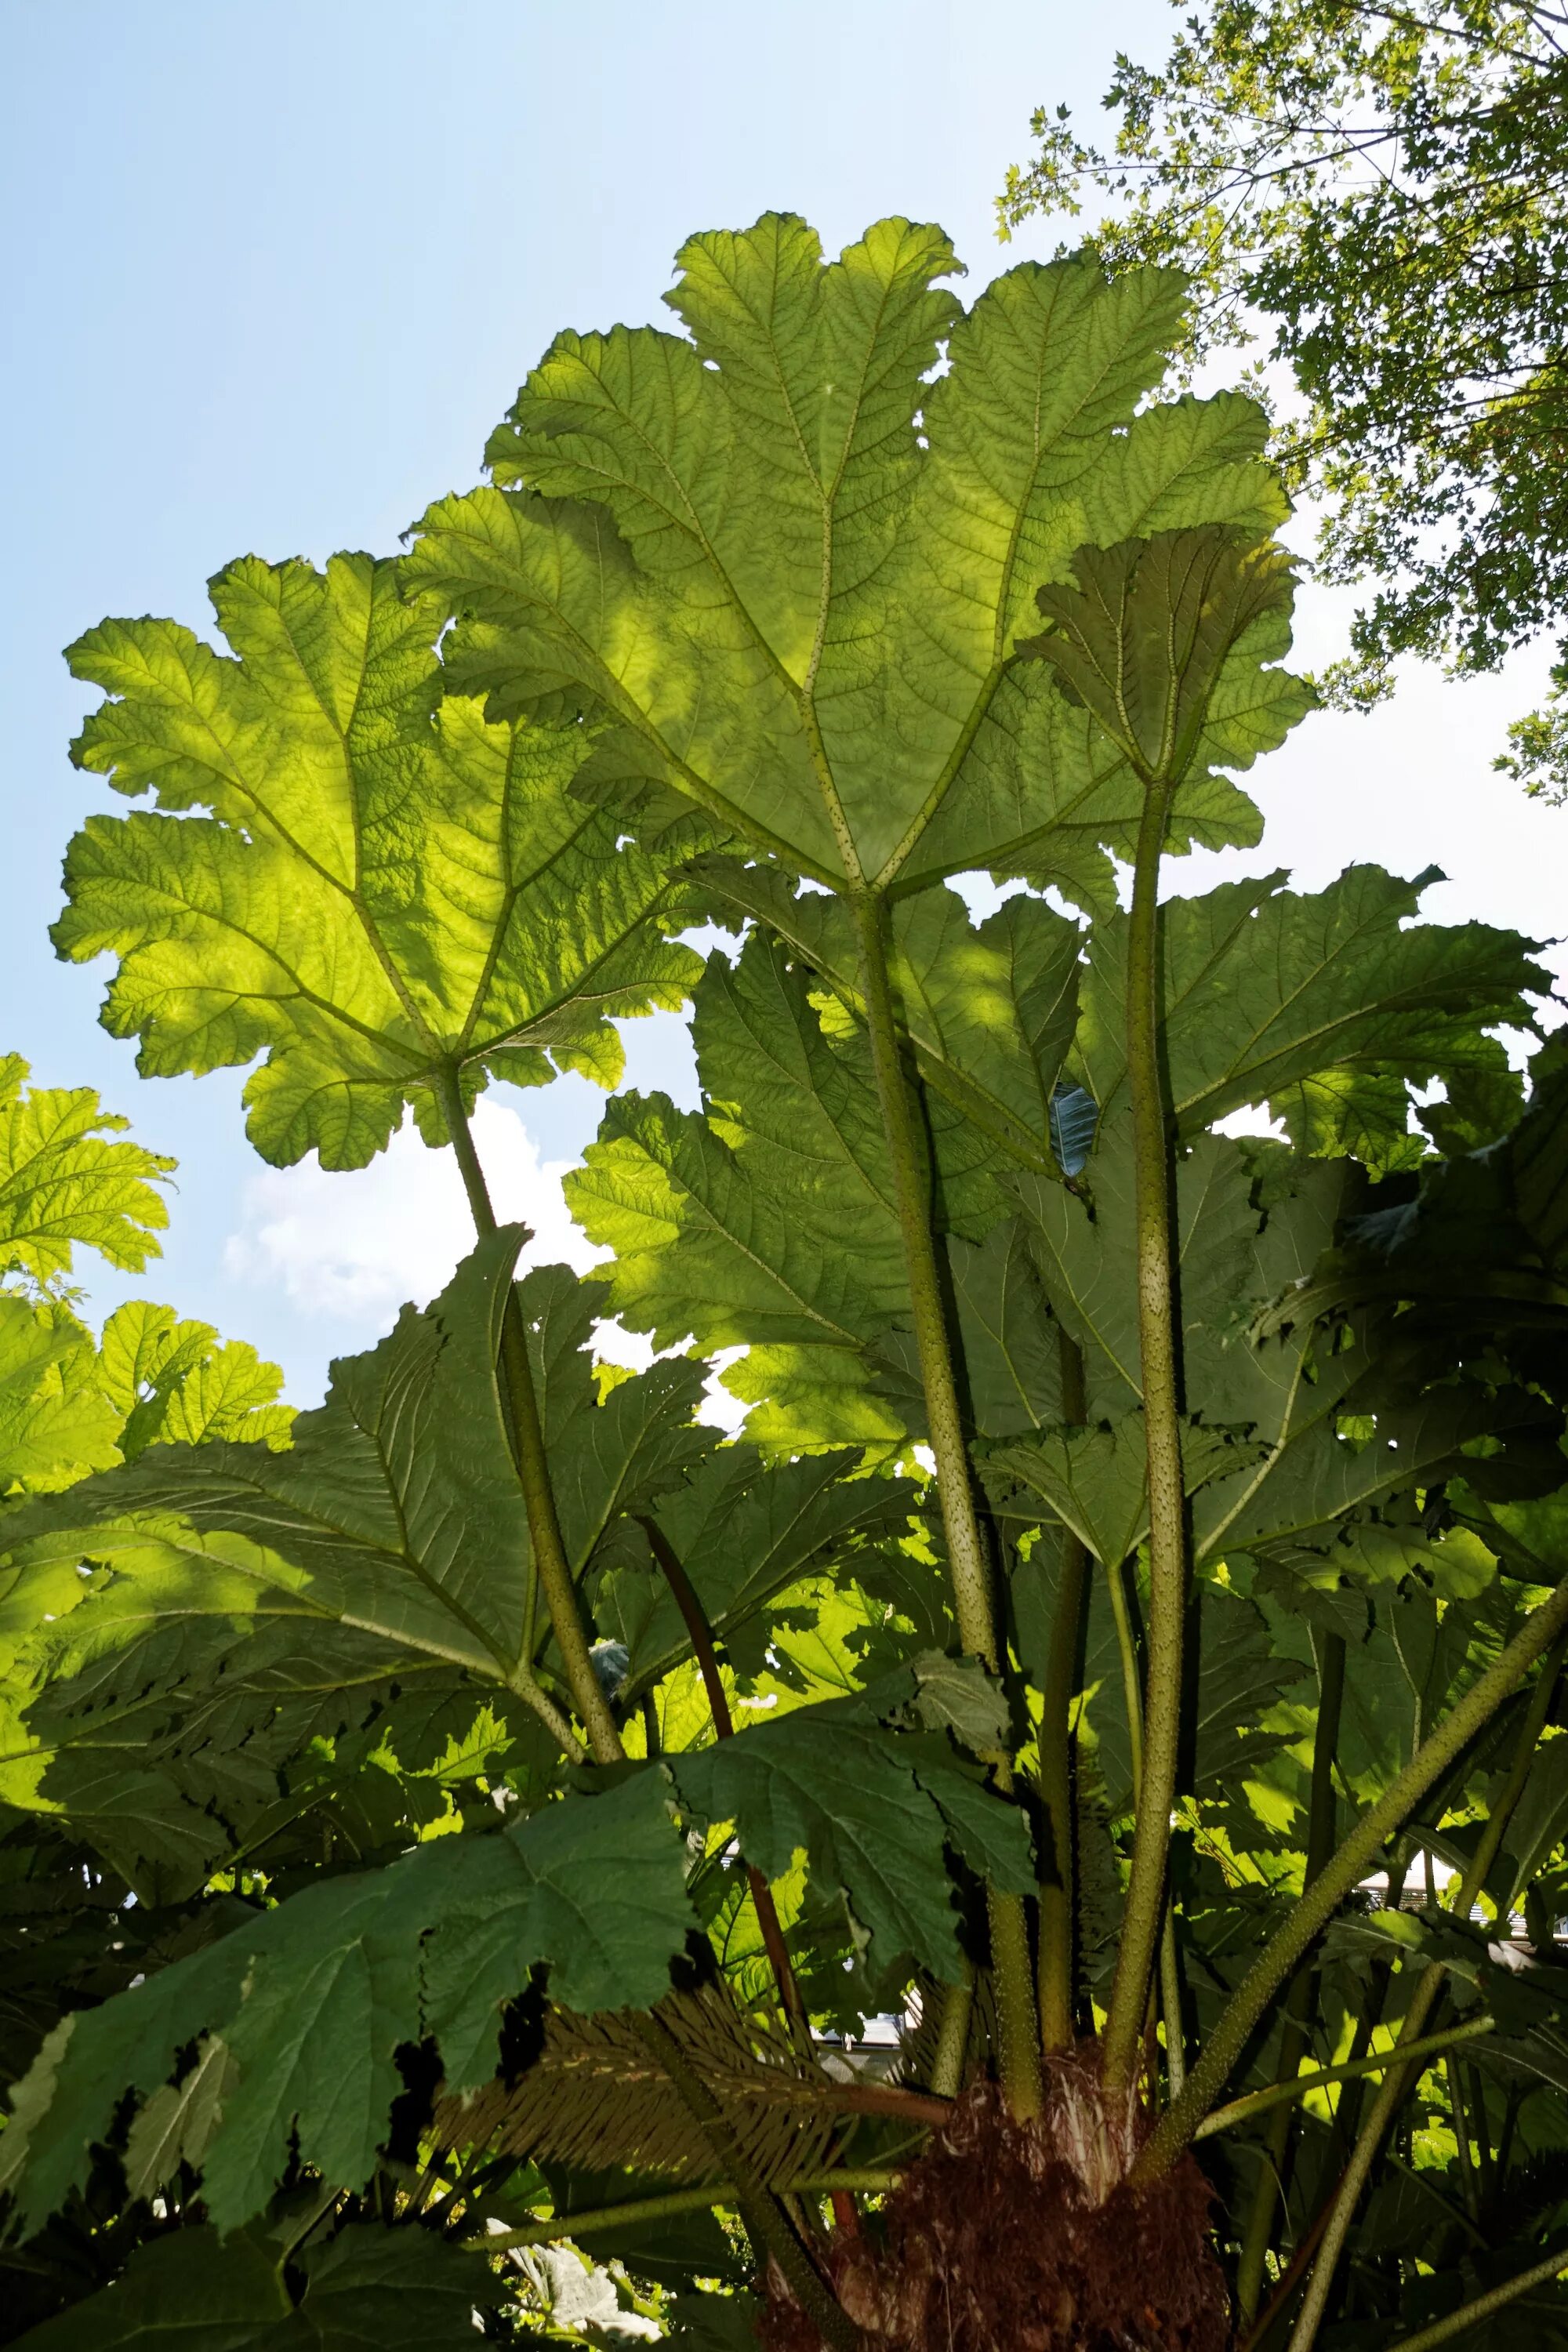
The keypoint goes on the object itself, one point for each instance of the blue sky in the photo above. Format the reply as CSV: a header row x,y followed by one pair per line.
x,y
274,273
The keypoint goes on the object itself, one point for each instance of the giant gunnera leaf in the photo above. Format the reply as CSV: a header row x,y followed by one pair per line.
x,y
385,891
786,557
70,1176
240,1597
313,1998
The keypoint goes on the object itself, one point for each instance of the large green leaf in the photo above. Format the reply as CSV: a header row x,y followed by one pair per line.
x,y
789,568
387,891
363,2290
1143,637
395,1511
1009,1345
989,1009
1095,1481
313,1999
63,1181
1344,1426
1286,999
743,1530
175,1382
769,1222
873,1810
56,1423
248,1601
396,1514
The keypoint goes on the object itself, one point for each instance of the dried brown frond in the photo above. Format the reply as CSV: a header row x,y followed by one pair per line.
x,y
594,2096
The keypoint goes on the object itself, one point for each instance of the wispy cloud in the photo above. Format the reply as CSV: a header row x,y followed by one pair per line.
x,y
350,1248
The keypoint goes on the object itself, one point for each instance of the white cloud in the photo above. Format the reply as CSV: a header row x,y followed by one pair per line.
x,y
350,1248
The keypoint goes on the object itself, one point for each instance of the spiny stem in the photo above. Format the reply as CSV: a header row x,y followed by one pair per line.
x,y
534,1695
953,2037
671,2202
1056,1890
1142,1918
1352,1860
1169,1981
1349,2070
550,1562
694,1617
967,1563
1171,2005
766,2222
1273,2176
1399,2081
1018,2054
1481,2307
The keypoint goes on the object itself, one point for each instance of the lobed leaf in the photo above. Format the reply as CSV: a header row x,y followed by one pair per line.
x,y
389,893
787,569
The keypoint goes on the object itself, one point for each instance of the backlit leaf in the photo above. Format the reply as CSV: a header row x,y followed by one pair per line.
x,y
386,893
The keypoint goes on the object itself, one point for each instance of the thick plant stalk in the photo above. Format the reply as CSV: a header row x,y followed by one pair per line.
x,y
1056,1893
1018,2055
694,1618
1348,2070
953,2037
550,1562
873,2182
1481,2307
1351,1861
767,2223
1143,1914
1401,2079
1274,2178
1170,1982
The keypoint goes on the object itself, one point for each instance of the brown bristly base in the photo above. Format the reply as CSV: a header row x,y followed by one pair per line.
x,y
1009,2237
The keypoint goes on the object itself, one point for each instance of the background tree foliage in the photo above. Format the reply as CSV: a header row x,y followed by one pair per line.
x,y
1386,186
449,1832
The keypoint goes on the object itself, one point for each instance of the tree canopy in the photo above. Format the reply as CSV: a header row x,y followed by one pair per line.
x,y
1378,196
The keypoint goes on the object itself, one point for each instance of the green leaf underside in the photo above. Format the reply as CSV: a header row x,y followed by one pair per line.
x,y
771,1220
386,888
256,1596
873,1812
68,1176
313,1999
365,2289
790,570
1273,1472
989,1009
1142,639
1304,1002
